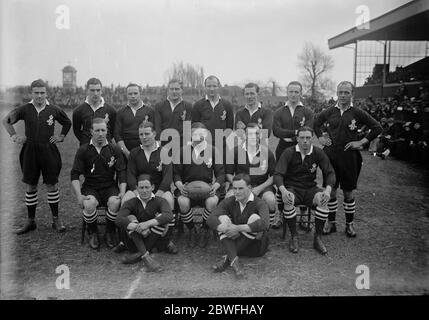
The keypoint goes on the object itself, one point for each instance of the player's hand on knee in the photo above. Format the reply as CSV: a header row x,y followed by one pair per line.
x,y
159,193
288,198
322,198
183,191
81,199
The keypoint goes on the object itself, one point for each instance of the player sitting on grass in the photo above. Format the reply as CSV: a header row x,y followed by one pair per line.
x,y
252,156
145,221
241,222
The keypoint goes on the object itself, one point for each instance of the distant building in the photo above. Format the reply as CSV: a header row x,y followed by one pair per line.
x,y
69,77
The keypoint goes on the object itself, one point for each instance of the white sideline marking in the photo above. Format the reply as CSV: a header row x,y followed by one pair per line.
x,y
133,287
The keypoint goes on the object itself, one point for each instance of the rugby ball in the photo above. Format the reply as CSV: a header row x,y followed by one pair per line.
x,y
198,190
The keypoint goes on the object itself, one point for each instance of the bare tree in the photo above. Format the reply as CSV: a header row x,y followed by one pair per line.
x,y
191,76
314,65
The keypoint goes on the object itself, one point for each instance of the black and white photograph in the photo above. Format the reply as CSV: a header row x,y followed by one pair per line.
x,y
213,149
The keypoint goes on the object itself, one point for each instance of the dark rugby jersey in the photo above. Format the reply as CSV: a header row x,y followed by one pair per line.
x,y
39,127
221,117
82,121
343,129
265,165
230,207
161,174
191,171
291,171
166,118
263,117
284,125
156,208
127,125
99,169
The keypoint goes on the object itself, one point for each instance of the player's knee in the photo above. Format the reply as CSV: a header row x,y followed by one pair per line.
x,y
211,202
127,196
270,199
31,188
288,207
184,203
51,187
224,219
90,205
253,218
113,204
348,195
169,197
132,218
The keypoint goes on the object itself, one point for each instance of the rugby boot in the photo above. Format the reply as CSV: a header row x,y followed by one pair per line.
x,y
238,269
171,248
293,244
221,265
330,227
30,225
350,231
132,258
318,245
151,264
58,225
94,242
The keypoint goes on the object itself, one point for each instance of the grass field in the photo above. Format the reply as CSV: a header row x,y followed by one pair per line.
x,y
392,223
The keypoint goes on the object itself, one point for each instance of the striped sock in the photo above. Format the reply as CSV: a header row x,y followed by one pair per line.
x,y
290,216
187,218
272,217
333,207
206,214
349,210
90,217
31,201
53,200
320,218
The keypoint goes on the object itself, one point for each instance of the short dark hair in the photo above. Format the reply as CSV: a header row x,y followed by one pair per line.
x,y
175,81
97,121
93,81
294,83
198,125
143,177
252,85
346,82
211,77
242,176
39,83
304,128
132,84
147,124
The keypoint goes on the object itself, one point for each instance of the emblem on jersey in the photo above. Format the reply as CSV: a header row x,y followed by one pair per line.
x,y
223,116
50,121
209,163
159,167
111,162
352,125
146,118
260,123
313,168
302,122
106,117
93,168
183,116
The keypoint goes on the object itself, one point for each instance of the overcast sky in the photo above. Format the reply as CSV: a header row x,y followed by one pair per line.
x,y
130,40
